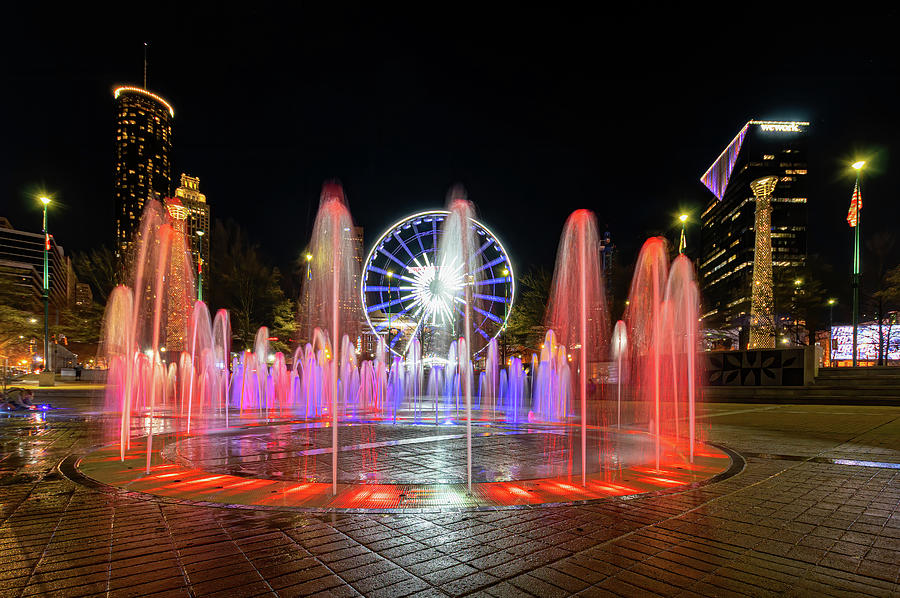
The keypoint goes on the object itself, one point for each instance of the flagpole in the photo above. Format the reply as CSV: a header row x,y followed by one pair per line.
x,y
854,281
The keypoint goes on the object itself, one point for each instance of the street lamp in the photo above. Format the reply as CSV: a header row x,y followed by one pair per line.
x,y
46,291
683,243
390,277
831,303
308,257
200,234
854,281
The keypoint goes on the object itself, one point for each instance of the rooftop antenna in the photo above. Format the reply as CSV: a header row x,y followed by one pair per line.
x,y
145,65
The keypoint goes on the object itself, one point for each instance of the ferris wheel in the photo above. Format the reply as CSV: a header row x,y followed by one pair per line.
x,y
406,294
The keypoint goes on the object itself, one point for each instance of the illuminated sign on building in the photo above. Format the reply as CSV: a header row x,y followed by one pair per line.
x,y
781,127
866,342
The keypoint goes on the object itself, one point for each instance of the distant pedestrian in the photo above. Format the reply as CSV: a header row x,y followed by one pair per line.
x,y
78,371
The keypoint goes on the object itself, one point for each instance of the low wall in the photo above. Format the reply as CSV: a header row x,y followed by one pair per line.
x,y
93,375
795,366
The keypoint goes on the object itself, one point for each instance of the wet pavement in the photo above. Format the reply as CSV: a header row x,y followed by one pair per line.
x,y
815,511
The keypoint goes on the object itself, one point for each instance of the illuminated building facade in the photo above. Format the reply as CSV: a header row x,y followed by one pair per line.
x,y
143,157
196,225
84,297
728,237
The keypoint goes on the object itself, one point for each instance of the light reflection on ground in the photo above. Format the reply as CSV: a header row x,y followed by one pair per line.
x,y
398,467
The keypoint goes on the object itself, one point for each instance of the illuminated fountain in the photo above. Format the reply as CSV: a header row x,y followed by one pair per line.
x,y
661,364
577,310
580,420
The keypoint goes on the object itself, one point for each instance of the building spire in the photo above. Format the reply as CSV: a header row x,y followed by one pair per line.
x,y
145,65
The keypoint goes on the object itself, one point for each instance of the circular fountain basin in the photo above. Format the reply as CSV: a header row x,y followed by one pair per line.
x,y
400,467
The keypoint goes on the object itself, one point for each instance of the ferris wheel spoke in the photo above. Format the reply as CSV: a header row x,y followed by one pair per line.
x,y
493,262
391,256
487,281
483,247
487,314
372,308
403,244
490,297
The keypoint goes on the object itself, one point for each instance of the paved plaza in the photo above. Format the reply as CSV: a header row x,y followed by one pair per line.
x,y
813,511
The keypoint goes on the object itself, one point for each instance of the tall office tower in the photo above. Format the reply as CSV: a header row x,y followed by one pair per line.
x,y
727,236
143,158
196,227
762,303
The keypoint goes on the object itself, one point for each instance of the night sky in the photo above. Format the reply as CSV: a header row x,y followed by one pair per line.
x,y
537,112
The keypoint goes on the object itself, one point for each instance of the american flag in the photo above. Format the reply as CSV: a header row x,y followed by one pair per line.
x,y
855,207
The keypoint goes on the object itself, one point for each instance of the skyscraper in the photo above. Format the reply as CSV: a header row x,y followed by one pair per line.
x,y
196,226
143,157
728,239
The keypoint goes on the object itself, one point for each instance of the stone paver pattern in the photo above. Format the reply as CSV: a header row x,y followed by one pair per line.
x,y
797,521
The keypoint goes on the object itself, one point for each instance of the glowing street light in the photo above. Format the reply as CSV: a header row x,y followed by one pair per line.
x,y
858,165
682,244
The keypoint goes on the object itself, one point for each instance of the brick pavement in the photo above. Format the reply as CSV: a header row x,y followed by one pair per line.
x,y
793,523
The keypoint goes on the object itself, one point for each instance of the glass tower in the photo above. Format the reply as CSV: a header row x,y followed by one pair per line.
x,y
728,239
143,157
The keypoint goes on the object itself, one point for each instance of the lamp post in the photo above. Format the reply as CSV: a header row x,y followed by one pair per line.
x,y
200,265
831,303
200,234
854,282
46,290
390,277
682,244
308,258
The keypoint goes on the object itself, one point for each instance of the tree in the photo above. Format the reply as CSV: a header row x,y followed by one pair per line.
x,y
284,324
79,325
248,288
800,302
100,269
887,299
525,328
877,293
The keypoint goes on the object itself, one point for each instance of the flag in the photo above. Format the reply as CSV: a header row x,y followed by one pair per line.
x,y
855,207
